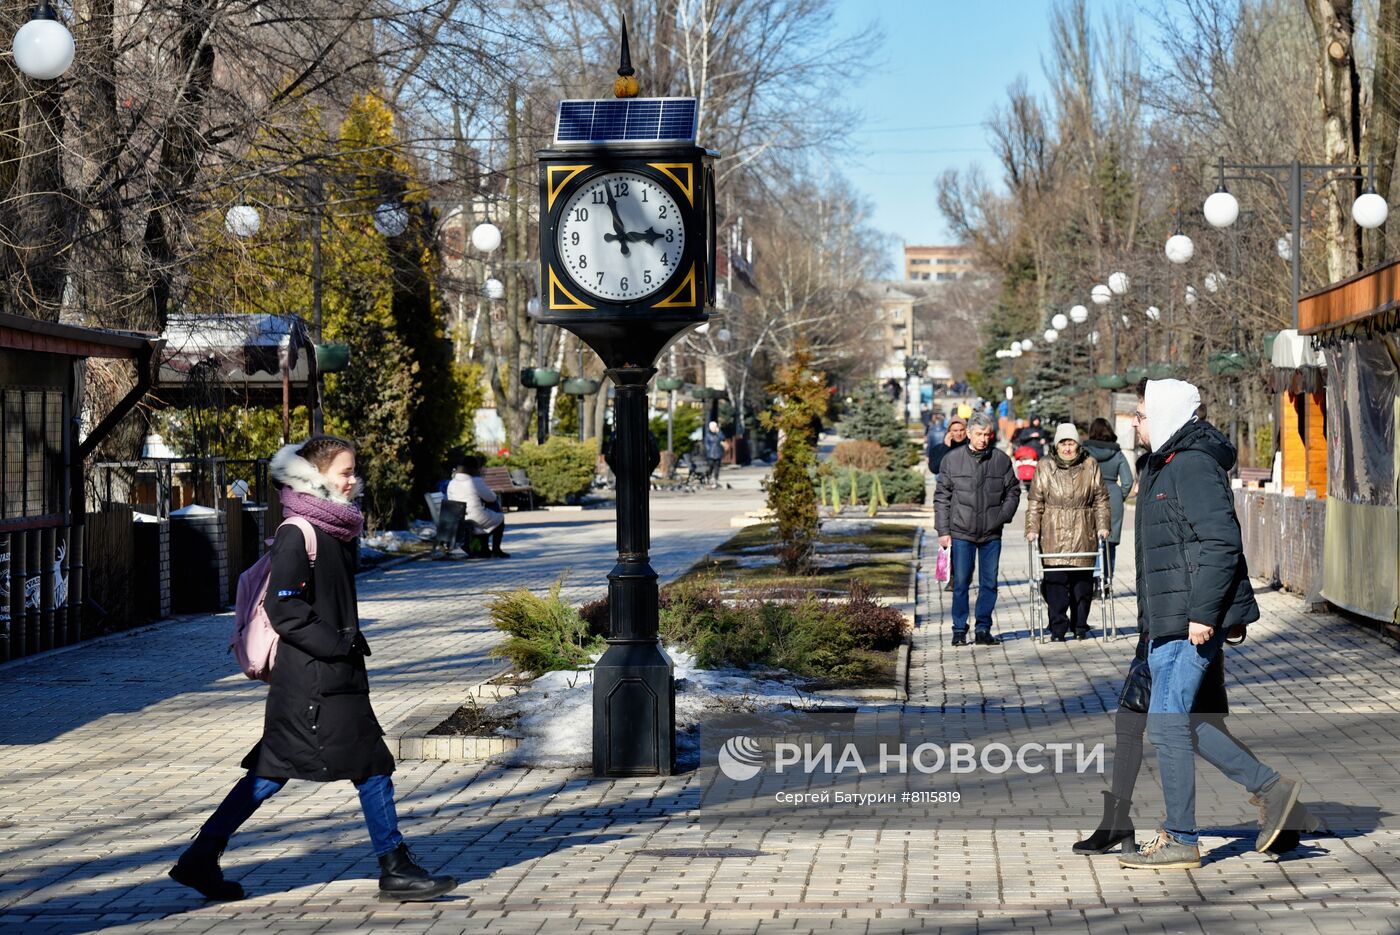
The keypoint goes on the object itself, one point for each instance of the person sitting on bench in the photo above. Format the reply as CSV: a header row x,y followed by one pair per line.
x,y
468,487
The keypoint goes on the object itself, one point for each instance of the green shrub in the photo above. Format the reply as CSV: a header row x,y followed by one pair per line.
x,y
545,632
871,417
792,492
560,468
688,419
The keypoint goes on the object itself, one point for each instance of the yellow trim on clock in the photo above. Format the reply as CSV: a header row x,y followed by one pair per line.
x,y
687,186
555,187
556,288
688,286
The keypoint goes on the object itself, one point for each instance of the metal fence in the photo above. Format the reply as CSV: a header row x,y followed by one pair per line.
x,y
1283,539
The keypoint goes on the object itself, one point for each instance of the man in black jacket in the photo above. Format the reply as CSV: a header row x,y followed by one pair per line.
x,y
954,437
1193,591
977,495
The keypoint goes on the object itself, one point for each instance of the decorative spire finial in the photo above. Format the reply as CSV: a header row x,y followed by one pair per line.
x,y
626,83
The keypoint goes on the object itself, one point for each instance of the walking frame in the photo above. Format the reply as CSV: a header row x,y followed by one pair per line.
x,y
1108,618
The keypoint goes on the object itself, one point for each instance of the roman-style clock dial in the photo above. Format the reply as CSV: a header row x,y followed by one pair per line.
x,y
621,236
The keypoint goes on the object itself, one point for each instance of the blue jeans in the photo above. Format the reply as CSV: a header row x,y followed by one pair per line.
x,y
376,800
1177,669
987,558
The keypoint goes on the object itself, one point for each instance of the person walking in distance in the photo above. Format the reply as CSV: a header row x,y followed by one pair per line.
x,y
976,496
318,724
1193,592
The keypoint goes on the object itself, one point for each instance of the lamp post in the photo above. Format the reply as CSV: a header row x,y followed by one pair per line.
x,y
914,366
1222,209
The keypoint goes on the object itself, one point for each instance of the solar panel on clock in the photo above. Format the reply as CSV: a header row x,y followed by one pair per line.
x,y
630,120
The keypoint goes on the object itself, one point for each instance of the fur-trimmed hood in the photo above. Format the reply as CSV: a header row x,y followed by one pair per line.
x,y
292,470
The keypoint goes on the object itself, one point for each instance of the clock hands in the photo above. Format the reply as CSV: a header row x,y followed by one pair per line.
x,y
618,226
649,235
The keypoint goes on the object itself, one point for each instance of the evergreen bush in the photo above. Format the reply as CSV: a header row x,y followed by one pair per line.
x,y
871,417
800,400
546,633
560,468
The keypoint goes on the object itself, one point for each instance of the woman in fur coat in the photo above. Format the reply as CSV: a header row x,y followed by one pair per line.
x,y
318,724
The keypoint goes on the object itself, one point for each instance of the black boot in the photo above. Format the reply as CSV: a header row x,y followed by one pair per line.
x,y
1115,828
198,868
402,880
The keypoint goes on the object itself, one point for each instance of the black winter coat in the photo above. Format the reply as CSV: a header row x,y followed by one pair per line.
x,y
940,450
1190,555
318,723
977,494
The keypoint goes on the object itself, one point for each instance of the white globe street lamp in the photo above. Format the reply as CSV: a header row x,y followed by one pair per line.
x,y
1059,322
43,47
1284,246
1015,352
391,219
724,334
1079,314
1118,283
1050,335
494,289
486,237
1190,295
532,306
1101,294
1094,338
1180,249
1370,210
1153,313
1221,209
1026,344
1127,322
1213,281
242,221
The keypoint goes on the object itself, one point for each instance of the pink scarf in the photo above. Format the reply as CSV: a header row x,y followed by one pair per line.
x,y
342,520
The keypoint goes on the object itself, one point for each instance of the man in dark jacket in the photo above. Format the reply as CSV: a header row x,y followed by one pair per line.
x,y
954,437
1193,591
977,495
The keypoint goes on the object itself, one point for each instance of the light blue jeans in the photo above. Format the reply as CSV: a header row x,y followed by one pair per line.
x,y
1177,669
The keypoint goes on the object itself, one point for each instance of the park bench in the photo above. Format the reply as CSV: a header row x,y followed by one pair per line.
x,y
500,480
1255,477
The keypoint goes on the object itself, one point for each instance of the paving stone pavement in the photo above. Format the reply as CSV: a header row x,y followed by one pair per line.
x,y
115,751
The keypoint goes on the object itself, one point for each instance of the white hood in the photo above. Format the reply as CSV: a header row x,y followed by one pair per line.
x,y
1169,404
292,470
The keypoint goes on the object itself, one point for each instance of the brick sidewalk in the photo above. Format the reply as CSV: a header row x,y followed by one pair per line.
x,y
116,750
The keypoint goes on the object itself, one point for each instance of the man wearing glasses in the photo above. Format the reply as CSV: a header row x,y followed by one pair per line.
x,y
1193,591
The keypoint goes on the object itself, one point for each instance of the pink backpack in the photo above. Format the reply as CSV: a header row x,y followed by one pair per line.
x,y
254,642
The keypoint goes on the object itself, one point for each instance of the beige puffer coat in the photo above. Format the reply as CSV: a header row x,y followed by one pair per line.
x,y
1067,508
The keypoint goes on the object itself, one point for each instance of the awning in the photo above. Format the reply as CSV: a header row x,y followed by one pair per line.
x,y
251,350
1298,366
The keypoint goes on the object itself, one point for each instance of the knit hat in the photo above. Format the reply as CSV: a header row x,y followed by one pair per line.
x,y
1066,430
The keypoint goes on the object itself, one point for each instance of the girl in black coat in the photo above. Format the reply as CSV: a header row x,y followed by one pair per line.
x,y
318,724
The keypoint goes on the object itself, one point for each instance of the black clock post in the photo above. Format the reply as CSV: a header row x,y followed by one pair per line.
x,y
622,271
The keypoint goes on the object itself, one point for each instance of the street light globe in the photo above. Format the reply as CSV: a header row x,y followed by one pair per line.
x,y
494,289
1180,249
391,219
1059,322
1094,338
1213,281
1050,335
1079,314
1127,322
1369,210
1284,246
1016,352
486,237
43,47
1153,313
1101,294
1190,295
1002,353
242,221
1118,283
724,334
1221,209
533,306
1027,345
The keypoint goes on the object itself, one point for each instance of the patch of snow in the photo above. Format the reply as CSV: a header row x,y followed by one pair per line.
x,y
846,527
555,714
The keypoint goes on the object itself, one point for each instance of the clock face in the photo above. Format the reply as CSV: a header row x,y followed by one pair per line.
x,y
621,236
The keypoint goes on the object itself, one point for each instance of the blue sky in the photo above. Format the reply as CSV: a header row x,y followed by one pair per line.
x,y
925,96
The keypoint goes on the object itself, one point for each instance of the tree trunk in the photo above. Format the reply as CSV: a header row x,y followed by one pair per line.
x,y
1383,123
1338,90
